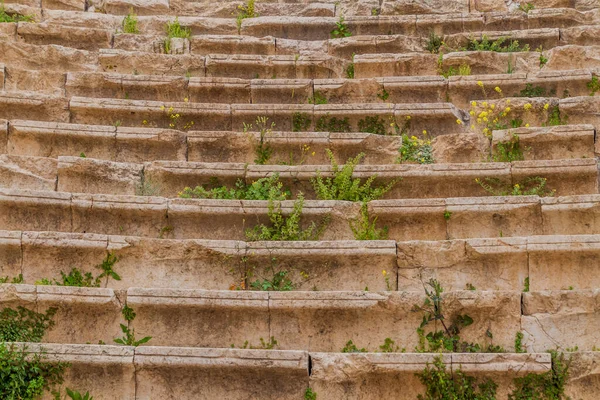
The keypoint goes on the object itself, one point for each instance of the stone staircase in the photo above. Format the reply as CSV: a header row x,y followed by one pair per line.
x,y
101,131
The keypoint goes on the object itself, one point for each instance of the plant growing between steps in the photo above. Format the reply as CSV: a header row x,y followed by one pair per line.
x,y
26,376
547,386
526,7
15,280
245,11
532,186
129,334
341,29
13,17
24,325
264,344
350,68
286,227
77,278
508,151
130,23
301,122
350,347
389,346
372,124
594,86
261,189
72,394
332,124
415,150
434,43
318,98
309,394
343,186
534,91
175,30
262,148
497,45
364,228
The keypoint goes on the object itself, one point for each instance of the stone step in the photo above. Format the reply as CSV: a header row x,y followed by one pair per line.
x,y
192,264
407,89
414,181
550,262
299,320
415,219
145,372
31,105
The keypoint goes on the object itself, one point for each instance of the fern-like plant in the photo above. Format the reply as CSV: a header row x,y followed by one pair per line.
x,y
364,228
343,186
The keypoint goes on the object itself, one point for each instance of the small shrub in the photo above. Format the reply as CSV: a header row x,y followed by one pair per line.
x,y
508,151
278,281
543,59
364,228
26,376
519,343
389,346
344,187
262,149
415,150
14,280
498,45
434,43
107,268
333,124
14,17
245,11
341,29
24,325
75,395
130,23
526,7
534,91
76,278
442,384
309,394
286,228
129,334
261,189
350,347
547,386
555,118
318,98
594,86
532,186
175,30
383,95
301,122
375,125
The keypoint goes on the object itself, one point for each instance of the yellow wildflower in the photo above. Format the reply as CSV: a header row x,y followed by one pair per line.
x,y
479,83
458,121
472,126
507,110
424,132
145,122
485,119
313,153
497,89
492,106
526,125
527,106
162,107
472,113
408,117
507,101
384,272
479,120
474,104
546,106
485,104
186,100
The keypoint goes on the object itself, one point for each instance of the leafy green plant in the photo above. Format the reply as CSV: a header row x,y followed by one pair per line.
x,y
333,124
13,17
383,95
594,85
277,280
261,189
130,23
107,267
343,186
469,286
129,334
301,122
262,149
508,151
389,346
526,285
543,59
265,345
416,150
318,98
497,45
75,395
463,69
350,68
534,91
526,7
341,29
24,325
372,124
532,186
555,118
175,30
15,280
350,347
364,228
519,343
434,43
76,278
25,375
309,394
245,11
441,384
447,215
547,386
286,228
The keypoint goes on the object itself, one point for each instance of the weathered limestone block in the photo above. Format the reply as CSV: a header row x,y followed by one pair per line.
x,y
545,37
50,139
550,143
307,47
198,25
570,215
395,7
152,87
491,62
383,65
313,28
219,90
149,144
85,315
559,17
85,175
383,25
325,321
10,254
33,173
583,382
35,210
327,265
580,35
562,83
560,262
415,89
43,82
47,57
154,113
466,147
127,62
200,318
379,149
47,254
94,20
550,319
75,5
567,177
193,373
463,89
421,219
64,35
446,24
340,91
119,215
31,105
487,264
140,7
567,57
581,110
494,216
281,91
151,43
226,44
